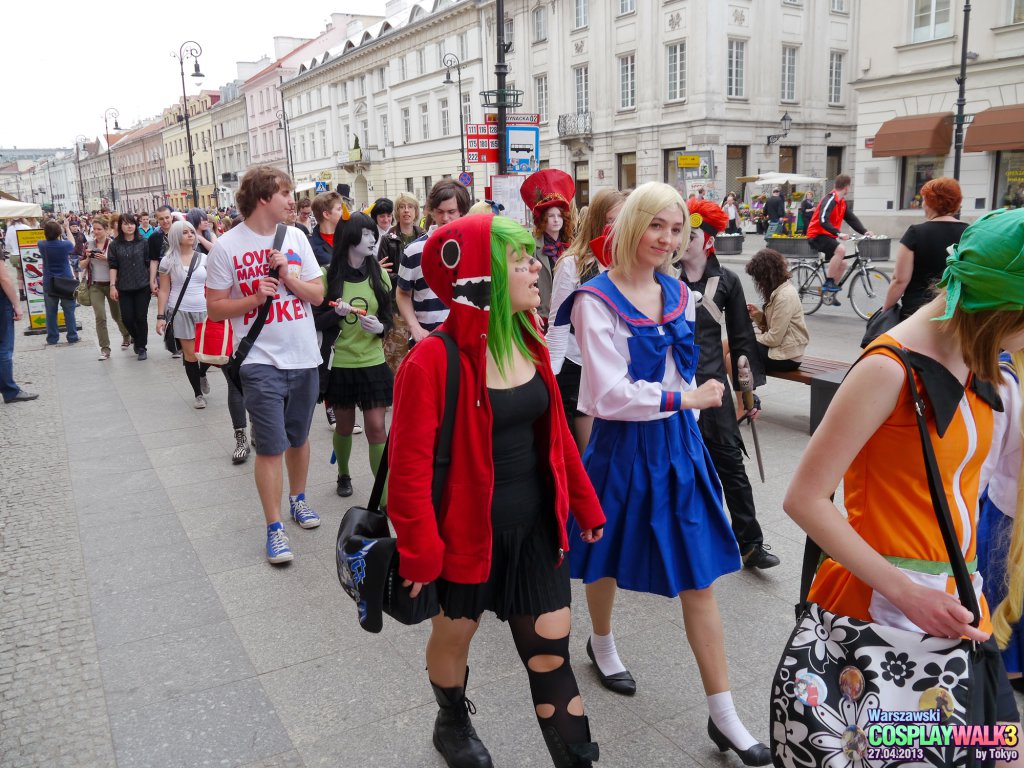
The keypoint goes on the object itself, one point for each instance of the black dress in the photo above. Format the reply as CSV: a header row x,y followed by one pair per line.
x,y
527,577
929,242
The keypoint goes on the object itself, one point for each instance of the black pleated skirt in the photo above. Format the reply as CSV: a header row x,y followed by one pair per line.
x,y
367,388
526,578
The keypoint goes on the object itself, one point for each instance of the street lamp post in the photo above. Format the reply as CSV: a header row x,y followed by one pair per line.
x,y
79,146
193,51
111,112
451,60
961,99
282,115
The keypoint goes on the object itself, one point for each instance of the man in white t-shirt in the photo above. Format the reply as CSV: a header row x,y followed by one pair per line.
x,y
279,375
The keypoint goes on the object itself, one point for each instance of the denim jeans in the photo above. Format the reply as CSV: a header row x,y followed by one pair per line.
x,y
8,388
52,329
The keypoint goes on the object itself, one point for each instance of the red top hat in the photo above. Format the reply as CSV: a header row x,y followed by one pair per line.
x,y
545,189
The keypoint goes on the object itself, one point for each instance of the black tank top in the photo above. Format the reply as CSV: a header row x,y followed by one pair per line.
x,y
518,487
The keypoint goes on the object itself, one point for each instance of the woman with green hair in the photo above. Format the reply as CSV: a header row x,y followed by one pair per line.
x,y
499,539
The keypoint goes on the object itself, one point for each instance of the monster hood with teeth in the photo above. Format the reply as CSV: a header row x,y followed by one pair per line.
x,y
457,267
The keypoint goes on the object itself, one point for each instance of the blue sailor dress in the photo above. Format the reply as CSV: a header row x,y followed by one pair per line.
x,y
667,530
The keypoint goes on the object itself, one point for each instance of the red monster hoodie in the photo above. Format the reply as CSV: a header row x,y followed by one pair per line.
x,y
457,546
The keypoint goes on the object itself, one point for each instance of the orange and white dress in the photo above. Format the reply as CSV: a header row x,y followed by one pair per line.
x,y
887,498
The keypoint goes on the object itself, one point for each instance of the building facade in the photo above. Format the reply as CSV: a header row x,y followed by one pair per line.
x,y
139,166
907,93
230,142
175,140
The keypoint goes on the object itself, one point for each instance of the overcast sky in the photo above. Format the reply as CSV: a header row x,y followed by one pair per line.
x,y
65,63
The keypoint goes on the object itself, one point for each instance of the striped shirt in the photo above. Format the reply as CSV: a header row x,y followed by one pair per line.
x,y
430,311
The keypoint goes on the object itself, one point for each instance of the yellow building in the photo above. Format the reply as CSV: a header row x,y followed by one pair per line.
x,y
176,139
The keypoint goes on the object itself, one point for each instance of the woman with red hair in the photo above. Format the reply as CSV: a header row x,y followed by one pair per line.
x,y
924,247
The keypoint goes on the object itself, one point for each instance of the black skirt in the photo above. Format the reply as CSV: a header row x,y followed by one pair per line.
x,y
526,578
367,388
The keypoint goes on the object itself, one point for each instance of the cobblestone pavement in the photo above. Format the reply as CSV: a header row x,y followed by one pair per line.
x,y
141,625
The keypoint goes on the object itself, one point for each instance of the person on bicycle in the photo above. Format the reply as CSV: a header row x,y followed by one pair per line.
x,y
823,233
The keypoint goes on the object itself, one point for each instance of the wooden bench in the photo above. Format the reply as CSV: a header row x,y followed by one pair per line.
x,y
823,376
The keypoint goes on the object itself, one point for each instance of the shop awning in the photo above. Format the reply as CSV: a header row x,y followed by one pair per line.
x,y
996,128
303,186
914,135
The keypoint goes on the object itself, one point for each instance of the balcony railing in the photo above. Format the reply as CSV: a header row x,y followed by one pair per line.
x,y
575,125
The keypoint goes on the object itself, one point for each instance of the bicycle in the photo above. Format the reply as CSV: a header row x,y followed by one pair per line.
x,y
867,289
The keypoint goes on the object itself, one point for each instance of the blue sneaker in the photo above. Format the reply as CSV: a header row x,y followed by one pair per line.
x,y
302,514
278,550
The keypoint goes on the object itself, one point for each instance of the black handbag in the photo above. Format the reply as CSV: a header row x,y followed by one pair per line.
x,y
836,673
170,342
882,321
233,367
63,287
367,554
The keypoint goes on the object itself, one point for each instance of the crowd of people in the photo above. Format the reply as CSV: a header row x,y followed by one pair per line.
x,y
595,436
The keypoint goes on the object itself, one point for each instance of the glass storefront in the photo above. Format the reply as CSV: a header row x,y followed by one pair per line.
x,y
917,171
1009,188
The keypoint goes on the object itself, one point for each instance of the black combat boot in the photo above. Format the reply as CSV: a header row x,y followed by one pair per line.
x,y
563,755
454,735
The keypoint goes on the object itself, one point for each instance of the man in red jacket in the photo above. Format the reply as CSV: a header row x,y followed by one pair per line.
x,y
823,233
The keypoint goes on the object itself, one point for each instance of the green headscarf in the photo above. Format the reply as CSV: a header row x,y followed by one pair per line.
x,y
985,270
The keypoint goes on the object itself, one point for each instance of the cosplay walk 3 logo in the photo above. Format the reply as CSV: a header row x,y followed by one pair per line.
x,y
904,736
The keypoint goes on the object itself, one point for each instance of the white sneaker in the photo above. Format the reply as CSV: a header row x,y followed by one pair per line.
x,y
357,430
200,402
204,385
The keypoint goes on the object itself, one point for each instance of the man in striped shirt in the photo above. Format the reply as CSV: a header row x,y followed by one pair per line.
x,y
419,306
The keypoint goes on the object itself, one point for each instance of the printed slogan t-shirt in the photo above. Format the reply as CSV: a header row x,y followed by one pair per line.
x,y
237,262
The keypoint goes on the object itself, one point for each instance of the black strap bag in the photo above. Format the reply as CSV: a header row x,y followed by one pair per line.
x,y
837,673
233,367
170,342
367,553
63,287
882,321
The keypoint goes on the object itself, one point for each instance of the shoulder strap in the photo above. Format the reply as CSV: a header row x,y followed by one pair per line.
x,y
443,452
964,587
261,316
708,300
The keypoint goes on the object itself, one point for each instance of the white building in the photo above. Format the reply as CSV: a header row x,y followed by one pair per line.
x,y
231,137
907,93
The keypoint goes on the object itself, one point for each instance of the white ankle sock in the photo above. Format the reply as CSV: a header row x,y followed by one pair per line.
x,y
723,713
605,654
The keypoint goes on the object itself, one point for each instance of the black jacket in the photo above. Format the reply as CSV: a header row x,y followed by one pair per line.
x,y
730,299
775,207
321,249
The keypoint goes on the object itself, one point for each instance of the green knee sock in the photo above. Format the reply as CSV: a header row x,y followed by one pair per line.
x,y
342,451
376,453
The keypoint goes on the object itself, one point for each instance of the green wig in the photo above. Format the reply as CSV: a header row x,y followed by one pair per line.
x,y
505,330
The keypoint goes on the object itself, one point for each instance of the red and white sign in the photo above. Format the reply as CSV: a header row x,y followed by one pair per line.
x,y
514,118
481,143
869,143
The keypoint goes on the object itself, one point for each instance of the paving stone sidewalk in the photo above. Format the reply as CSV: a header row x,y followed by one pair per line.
x,y
141,625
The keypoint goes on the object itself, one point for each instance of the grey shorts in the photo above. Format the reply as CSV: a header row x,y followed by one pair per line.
x,y
185,323
280,405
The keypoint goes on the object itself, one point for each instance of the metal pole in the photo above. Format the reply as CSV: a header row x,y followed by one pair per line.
x,y
195,51
110,162
501,72
79,146
961,100
451,60
283,117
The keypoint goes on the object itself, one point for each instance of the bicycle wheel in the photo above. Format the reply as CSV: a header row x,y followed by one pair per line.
x,y
867,292
807,281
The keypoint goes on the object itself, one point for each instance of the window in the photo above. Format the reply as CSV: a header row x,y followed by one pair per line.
x,y
380,79
787,159
510,32
1009,179
421,61
627,82
582,78
835,77
932,19
428,183
467,108
788,80
384,130
362,85
424,121
734,84
440,55
403,69
343,93
462,43
263,103
409,184
676,71
839,6
446,129
916,171
406,126
540,25
540,90
1018,12
627,6
364,131
582,16
627,171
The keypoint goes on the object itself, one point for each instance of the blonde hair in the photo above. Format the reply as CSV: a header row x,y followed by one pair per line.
x,y
980,337
405,198
591,226
1008,612
643,204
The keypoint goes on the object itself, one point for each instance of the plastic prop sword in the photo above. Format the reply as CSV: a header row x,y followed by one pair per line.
x,y
746,382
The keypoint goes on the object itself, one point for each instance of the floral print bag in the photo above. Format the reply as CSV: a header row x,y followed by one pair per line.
x,y
841,680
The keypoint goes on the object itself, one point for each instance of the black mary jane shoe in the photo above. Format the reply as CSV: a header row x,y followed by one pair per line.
x,y
621,682
758,754
344,485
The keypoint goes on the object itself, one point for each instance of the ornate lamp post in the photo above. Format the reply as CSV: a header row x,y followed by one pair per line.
x,y
282,115
190,49
111,112
787,123
451,60
79,146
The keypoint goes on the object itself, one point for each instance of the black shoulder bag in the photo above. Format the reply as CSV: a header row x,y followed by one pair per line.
x,y
367,554
835,669
170,342
233,367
